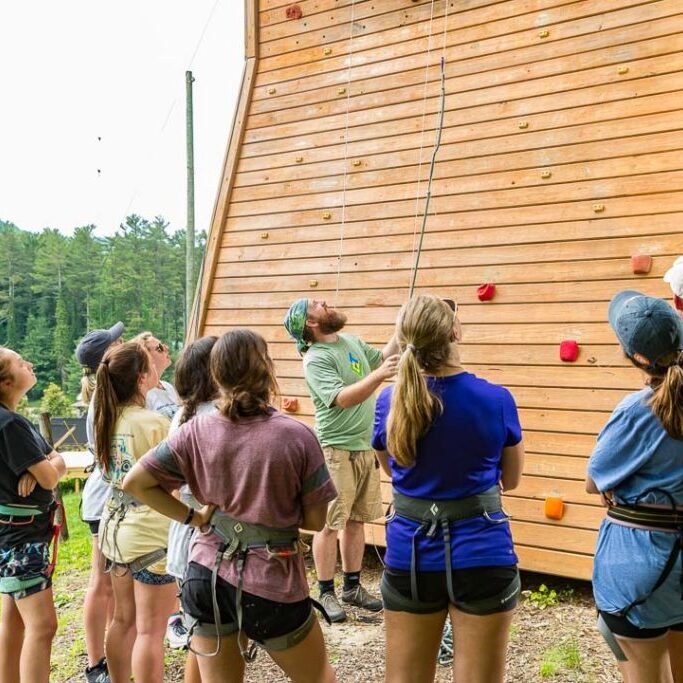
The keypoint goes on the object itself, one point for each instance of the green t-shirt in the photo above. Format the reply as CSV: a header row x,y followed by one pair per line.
x,y
328,368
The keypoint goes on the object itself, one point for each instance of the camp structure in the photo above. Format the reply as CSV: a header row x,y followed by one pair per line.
x,y
557,181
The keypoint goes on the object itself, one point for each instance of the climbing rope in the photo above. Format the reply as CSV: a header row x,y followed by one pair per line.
x,y
416,253
346,152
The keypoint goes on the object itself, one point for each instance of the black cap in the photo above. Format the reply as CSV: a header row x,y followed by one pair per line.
x,y
92,347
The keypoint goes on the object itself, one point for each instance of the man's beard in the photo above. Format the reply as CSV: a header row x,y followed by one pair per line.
x,y
332,322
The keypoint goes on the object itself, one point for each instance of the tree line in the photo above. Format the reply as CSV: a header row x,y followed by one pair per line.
x,y
54,288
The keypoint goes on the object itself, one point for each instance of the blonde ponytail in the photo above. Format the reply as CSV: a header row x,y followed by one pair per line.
x,y
667,400
423,330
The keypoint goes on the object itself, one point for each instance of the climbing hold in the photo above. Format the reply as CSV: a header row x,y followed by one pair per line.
x,y
294,12
327,215
486,292
523,124
291,405
271,91
622,70
312,283
569,350
341,91
546,174
553,508
357,162
598,208
544,33
327,50
264,235
641,264
299,160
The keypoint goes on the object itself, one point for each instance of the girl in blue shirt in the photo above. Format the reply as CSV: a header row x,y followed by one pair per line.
x,y
637,466
449,441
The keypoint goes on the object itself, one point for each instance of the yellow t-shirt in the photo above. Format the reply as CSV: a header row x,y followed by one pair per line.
x,y
142,530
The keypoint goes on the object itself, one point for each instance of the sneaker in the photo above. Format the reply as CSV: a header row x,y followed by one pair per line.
x,y
359,597
97,673
331,605
176,633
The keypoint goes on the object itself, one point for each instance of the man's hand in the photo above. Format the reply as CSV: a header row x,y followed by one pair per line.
x,y
388,369
27,483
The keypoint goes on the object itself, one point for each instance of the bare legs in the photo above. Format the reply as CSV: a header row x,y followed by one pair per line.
x,y
26,632
352,546
656,660
97,607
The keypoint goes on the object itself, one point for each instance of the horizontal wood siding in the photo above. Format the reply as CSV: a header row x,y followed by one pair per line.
x,y
561,157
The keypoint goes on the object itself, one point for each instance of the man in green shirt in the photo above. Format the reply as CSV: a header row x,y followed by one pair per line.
x,y
342,373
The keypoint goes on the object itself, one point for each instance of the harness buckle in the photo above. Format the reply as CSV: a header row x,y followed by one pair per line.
x,y
232,548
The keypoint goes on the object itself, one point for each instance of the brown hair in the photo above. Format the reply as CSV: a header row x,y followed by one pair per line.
x,y
5,363
243,370
423,331
117,385
666,380
193,380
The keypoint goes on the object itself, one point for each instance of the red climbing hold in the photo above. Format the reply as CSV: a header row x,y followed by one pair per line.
x,y
569,350
486,292
641,264
291,405
294,12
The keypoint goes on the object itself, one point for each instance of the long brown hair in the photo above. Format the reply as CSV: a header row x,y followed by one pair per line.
x,y
244,372
117,386
666,381
424,329
193,379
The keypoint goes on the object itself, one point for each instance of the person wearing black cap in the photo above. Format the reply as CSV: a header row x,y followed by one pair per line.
x,y
98,602
637,466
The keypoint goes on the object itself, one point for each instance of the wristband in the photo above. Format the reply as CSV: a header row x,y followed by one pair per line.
x,y
190,515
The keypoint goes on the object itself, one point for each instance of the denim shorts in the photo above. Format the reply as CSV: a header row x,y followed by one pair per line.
x,y
151,579
26,561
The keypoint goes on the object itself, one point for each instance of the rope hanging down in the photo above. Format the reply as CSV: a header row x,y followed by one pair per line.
x,y
428,196
346,154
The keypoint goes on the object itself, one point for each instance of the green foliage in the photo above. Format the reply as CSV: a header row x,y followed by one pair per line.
x,y
548,597
562,657
55,288
56,402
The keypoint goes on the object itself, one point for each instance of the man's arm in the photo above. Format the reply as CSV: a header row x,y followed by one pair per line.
x,y
360,391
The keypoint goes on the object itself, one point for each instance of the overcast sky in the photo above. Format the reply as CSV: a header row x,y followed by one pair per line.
x,y
92,86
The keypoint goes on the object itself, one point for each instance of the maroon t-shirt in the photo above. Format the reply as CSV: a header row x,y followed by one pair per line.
x,y
262,470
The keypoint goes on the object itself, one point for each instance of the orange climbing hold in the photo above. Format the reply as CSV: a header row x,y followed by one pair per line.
x,y
553,508
641,264
291,405
294,12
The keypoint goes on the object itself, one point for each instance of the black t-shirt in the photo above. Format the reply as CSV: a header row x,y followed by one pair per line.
x,y
21,446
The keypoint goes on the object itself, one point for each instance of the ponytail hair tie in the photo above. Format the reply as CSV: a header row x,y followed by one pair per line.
x,y
410,347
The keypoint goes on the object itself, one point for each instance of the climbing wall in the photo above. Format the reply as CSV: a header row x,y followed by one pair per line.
x,y
560,160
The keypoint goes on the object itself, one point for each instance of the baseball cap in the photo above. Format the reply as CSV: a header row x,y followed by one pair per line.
x,y
645,325
674,276
92,347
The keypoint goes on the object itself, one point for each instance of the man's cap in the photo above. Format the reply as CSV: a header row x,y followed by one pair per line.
x,y
674,276
645,325
93,346
295,323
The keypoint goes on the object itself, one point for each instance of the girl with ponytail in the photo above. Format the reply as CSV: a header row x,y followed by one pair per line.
x,y
133,537
449,441
637,466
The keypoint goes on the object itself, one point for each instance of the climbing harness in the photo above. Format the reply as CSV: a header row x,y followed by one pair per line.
x,y
433,515
24,515
238,540
120,503
647,518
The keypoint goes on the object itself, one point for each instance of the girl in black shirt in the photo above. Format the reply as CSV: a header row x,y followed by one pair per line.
x,y
29,470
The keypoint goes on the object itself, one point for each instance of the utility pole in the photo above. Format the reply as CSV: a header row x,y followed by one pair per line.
x,y
189,249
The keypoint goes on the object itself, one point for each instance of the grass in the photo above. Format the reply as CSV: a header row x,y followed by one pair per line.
x,y
563,657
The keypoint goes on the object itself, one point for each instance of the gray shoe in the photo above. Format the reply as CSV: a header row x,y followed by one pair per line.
x,y
331,605
359,597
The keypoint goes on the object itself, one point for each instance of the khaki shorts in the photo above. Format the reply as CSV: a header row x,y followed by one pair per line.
x,y
356,477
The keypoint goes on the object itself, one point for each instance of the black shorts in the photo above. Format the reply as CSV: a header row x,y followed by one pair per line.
x,y
94,526
621,626
262,619
475,590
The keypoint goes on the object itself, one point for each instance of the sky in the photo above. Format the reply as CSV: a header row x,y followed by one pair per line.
x,y
92,119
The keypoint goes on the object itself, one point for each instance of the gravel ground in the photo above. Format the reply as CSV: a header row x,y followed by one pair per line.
x,y
558,643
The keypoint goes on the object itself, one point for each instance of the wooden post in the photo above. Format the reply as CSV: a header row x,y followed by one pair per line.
x,y
46,431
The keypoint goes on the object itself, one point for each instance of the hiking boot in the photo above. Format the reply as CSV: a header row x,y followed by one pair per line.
x,y
359,597
176,633
331,605
98,673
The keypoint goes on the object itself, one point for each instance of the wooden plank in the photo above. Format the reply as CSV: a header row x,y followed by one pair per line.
x,y
251,29
656,58
411,60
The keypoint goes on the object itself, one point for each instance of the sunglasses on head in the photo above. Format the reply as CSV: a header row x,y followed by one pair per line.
x,y
160,347
451,304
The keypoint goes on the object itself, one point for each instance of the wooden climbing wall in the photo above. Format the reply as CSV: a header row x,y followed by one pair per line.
x,y
560,158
